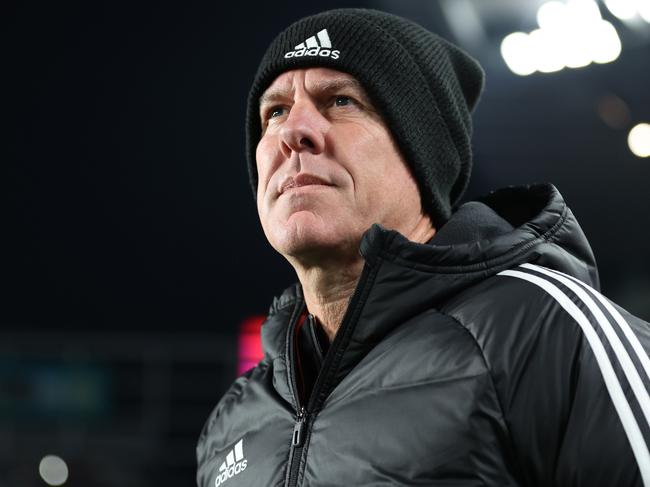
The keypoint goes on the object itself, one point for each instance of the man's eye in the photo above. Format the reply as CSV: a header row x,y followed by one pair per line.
x,y
342,100
275,112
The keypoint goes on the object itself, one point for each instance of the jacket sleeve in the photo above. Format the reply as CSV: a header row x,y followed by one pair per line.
x,y
607,433
574,384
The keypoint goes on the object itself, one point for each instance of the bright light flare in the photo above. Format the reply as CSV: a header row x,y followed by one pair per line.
x,y
623,9
605,43
584,11
572,34
547,51
639,140
53,470
516,51
644,10
552,15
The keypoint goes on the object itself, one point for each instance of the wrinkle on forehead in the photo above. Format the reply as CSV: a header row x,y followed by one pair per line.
x,y
321,84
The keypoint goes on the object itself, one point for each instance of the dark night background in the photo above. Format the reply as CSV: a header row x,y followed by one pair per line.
x,y
132,250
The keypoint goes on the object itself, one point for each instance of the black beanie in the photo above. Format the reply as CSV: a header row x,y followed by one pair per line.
x,y
423,87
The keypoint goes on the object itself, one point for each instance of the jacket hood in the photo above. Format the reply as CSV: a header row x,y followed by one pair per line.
x,y
500,230
402,279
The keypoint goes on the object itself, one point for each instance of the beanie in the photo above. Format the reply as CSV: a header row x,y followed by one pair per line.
x,y
423,87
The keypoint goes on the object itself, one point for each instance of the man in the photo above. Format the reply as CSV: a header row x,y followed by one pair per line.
x,y
419,347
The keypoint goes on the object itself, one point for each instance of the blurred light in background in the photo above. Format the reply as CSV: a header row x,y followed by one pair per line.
x,y
53,470
40,391
614,112
606,45
644,10
515,50
629,9
464,21
571,35
128,411
250,344
639,140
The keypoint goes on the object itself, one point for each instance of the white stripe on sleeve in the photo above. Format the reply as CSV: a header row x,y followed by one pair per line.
x,y
620,321
625,414
629,369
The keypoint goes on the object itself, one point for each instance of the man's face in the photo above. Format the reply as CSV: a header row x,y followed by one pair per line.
x,y
328,167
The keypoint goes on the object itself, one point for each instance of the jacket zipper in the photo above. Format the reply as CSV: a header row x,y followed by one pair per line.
x,y
297,444
304,414
298,436
299,428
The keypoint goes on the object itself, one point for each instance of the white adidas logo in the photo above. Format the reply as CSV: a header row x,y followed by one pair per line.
x,y
318,45
235,463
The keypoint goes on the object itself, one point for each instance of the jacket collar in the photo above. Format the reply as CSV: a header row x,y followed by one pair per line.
x,y
502,230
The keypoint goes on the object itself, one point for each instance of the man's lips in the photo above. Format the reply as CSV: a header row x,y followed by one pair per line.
x,y
301,180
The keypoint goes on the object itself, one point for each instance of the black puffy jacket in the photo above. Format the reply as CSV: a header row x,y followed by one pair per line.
x,y
484,358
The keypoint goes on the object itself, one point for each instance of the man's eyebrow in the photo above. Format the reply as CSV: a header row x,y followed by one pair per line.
x,y
339,84
326,86
272,95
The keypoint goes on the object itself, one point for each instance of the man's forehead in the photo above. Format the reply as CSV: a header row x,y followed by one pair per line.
x,y
317,79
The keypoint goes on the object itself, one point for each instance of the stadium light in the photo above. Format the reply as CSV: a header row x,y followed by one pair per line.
x,y
547,50
53,470
571,34
639,140
552,16
606,45
644,10
515,49
623,9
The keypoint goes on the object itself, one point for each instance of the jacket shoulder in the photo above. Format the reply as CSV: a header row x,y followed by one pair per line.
x,y
571,370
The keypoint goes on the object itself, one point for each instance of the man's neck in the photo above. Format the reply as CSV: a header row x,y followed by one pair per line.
x,y
327,292
329,284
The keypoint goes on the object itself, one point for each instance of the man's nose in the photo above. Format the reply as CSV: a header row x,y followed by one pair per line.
x,y
303,130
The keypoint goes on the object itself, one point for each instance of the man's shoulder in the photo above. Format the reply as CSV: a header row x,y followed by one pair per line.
x,y
522,305
527,291
531,309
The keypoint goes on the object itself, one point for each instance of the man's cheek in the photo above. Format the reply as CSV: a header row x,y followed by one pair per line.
x,y
263,177
261,191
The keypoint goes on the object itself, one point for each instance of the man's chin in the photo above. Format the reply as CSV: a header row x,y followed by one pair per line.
x,y
306,240
307,237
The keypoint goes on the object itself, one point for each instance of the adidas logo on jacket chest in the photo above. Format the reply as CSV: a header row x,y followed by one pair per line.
x,y
235,464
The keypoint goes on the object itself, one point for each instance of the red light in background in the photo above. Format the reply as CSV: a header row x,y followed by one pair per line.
x,y
250,344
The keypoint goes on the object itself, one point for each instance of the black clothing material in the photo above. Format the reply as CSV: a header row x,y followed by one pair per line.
x,y
486,357
313,344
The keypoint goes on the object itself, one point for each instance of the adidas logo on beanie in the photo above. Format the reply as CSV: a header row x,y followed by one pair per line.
x,y
318,45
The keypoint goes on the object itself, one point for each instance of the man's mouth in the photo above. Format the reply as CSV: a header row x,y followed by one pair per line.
x,y
302,180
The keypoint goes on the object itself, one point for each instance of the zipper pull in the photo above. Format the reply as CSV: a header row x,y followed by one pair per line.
x,y
299,428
